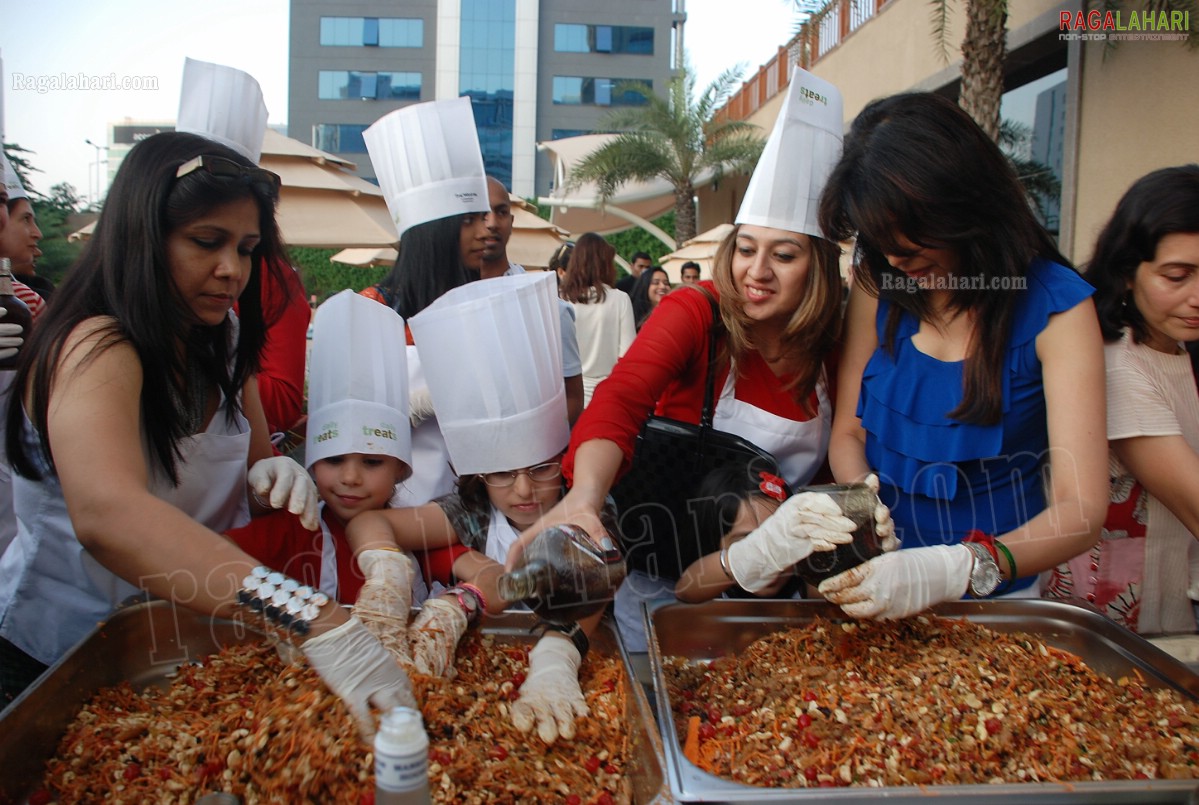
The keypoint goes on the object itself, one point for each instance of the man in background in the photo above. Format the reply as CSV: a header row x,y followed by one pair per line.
x,y
640,262
690,272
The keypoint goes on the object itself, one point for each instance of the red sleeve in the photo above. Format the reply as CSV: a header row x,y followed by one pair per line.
x,y
280,542
438,565
281,376
667,363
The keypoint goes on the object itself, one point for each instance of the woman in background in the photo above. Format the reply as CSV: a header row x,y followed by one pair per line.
x,y
1146,276
648,291
604,315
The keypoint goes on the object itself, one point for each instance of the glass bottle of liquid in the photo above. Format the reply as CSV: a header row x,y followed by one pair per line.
x,y
18,311
564,575
402,759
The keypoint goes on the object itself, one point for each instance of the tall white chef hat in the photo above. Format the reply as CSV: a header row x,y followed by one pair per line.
x,y
358,381
222,104
12,182
784,191
491,353
427,159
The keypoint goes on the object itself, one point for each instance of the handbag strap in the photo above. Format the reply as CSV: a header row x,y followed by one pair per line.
x,y
709,409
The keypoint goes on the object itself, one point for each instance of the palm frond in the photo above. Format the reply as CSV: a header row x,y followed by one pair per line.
x,y
940,21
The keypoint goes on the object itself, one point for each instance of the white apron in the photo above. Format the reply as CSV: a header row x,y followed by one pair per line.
x,y
500,536
53,592
799,447
432,476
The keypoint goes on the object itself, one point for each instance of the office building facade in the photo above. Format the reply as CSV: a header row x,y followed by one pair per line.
x,y
535,70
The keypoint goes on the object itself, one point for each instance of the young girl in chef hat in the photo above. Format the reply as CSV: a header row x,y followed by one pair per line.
x,y
430,169
491,355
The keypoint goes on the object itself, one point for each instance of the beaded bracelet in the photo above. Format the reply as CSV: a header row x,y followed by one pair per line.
x,y
282,601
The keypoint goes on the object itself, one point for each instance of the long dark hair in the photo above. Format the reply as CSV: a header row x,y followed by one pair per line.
x,y
124,274
814,328
916,166
590,268
718,501
642,307
430,264
1158,204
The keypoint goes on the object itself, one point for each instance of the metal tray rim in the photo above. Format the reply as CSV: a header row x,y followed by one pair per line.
x,y
688,783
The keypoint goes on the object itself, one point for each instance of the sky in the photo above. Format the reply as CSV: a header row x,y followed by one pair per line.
x,y
145,42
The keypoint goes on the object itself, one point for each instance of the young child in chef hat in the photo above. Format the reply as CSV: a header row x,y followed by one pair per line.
x,y
490,351
358,448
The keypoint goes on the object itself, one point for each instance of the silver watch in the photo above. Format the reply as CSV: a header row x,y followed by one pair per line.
x,y
984,573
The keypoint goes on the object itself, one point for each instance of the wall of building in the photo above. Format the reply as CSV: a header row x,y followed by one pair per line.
x,y
1139,111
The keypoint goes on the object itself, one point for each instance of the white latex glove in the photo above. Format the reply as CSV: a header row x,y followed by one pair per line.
x,y
434,637
420,406
899,584
10,337
360,671
884,526
551,696
807,522
384,601
280,482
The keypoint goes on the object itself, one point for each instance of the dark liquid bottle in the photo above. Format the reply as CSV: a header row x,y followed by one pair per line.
x,y
18,311
565,575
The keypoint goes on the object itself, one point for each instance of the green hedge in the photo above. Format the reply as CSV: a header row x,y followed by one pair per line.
x,y
325,278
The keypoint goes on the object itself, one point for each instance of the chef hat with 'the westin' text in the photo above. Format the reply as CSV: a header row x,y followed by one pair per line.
x,y
358,381
222,104
12,182
492,357
428,163
784,191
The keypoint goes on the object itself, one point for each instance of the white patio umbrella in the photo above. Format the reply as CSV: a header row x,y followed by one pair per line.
x,y
700,249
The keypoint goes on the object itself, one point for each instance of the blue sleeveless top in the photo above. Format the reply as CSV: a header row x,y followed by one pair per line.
x,y
943,478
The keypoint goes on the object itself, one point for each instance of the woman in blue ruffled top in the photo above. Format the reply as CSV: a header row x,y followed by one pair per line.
x,y
972,374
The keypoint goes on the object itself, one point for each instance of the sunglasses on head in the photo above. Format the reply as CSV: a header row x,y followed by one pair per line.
x,y
262,181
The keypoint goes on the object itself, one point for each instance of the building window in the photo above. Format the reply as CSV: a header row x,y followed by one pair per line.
x,y
562,134
338,85
574,38
487,75
580,91
386,32
339,138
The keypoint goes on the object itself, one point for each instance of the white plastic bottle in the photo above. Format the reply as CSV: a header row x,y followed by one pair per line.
x,y
402,759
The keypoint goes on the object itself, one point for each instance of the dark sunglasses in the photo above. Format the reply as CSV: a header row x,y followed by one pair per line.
x,y
261,181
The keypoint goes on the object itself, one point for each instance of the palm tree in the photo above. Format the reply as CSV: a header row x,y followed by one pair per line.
x,y
676,138
983,50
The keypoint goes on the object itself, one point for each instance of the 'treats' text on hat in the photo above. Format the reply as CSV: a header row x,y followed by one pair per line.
x,y
492,356
12,182
784,191
358,381
222,104
428,163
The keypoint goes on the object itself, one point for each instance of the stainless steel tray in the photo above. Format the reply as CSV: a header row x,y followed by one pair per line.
x,y
144,643
716,628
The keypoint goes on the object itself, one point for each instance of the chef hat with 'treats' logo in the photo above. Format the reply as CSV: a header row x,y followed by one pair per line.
x,y
12,182
428,163
358,381
784,191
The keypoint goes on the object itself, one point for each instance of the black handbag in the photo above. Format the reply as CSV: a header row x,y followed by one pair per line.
x,y
655,499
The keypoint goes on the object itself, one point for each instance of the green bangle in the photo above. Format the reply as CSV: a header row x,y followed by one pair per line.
x,y
1011,560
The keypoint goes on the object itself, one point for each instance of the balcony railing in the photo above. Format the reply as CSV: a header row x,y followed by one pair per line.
x,y
821,33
